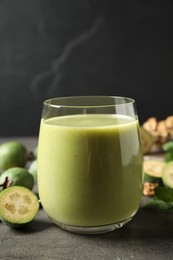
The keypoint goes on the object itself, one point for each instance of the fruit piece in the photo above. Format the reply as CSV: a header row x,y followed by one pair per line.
x,y
18,176
147,140
153,171
163,199
12,154
18,206
33,169
167,175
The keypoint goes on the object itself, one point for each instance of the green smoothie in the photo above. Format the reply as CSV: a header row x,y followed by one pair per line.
x,y
89,169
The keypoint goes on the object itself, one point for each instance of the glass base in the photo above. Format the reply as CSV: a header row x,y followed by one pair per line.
x,y
93,230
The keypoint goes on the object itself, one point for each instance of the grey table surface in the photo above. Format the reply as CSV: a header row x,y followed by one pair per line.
x,y
148,236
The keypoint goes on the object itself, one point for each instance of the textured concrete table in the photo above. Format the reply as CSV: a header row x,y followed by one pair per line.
x,y
148,236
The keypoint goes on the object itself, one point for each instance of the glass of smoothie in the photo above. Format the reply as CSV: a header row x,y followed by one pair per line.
x,y
90,162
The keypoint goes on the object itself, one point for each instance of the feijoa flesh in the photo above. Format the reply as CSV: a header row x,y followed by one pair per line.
x,y
18,206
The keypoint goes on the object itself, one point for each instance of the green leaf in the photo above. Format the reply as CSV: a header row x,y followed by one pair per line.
x,y
158,204
168,146
164,193
168,156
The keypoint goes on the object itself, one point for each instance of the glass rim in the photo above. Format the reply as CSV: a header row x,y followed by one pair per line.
x,y
51,101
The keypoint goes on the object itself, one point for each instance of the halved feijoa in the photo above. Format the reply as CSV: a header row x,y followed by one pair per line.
x,y
167,175
153,171
18,206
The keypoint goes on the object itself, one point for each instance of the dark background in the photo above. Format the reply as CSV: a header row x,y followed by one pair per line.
x,y
51,48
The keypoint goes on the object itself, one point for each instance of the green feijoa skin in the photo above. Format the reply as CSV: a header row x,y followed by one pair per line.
x,y
163,199
33,169
167,175
18,176
12,154
18,206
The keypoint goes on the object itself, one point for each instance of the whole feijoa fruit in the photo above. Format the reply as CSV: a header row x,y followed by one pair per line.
x,y
18,176
12,154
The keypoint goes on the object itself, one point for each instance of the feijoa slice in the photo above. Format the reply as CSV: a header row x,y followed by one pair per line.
x,y
18,206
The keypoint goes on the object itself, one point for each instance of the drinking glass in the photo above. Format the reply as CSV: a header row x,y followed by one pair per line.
x,y
90,162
